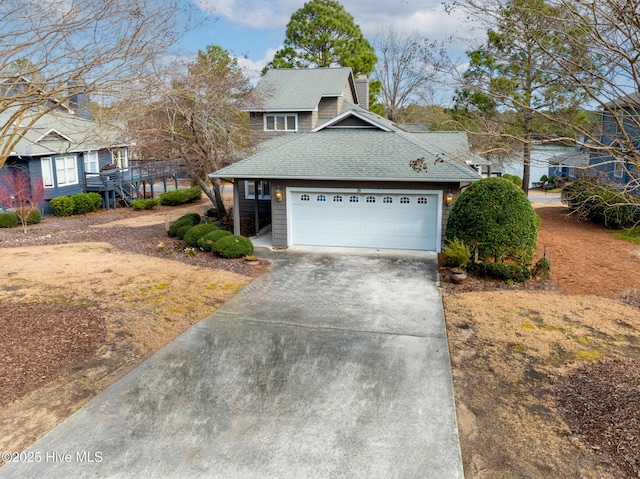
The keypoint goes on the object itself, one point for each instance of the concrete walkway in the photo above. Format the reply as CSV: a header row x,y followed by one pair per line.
x,y
329,366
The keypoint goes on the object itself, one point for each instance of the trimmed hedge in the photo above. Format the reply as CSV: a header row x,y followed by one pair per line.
x,y
183,231
515,179
62,206
192,236
181,196
86,202
144,203
506,271
592,201
8,219
77,204
190,219
208,240
34,216
495,219
233,247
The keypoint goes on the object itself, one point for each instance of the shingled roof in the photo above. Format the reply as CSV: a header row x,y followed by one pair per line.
x,y
378,151
280,88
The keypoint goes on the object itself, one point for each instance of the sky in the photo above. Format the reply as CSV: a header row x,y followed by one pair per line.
x,y
255,29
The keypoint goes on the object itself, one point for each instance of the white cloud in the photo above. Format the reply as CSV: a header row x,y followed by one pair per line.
x,y
258,14
253,69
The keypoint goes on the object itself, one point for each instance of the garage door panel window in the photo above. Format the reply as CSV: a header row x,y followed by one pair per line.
x,y
387,200
305,197
371,199
321,198
337,199
422,200
405,200
354,199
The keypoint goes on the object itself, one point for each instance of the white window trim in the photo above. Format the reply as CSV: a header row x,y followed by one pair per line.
x,y
70,165
275,122
46,164
618,170
91,157
121,161
251,196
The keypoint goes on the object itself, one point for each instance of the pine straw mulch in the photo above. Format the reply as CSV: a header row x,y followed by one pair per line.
x,y
601,403
39,340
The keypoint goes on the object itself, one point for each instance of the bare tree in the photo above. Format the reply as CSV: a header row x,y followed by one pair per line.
x,y
54,51
408,68
608,31
199,117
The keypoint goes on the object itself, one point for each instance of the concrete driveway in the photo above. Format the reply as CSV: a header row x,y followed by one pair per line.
x,y
330,365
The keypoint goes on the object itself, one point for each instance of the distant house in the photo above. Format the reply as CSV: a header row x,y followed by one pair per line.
x,y
58,143
329,172
620,132
570,165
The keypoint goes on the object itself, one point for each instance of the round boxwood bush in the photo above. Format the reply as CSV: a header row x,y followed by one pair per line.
x,y
495,218
233,246
208,240
182,230
33,216
192,236
62,206
190,219
8,219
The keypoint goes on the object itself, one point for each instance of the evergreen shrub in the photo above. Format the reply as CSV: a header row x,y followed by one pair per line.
x,y
8,219
495,219
233,247
62,206
181,196
190,219
192,236
208,240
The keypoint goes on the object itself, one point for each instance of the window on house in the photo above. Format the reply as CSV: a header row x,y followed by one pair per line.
x,y
66,170
405,200
281,122
120,157
423,201
387,199
371,199
321,198
617,169
91,163
264,190
305,197
337,199
47,172
354,199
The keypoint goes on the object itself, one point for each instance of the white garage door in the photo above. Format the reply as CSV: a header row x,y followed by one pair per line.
x,y
375,219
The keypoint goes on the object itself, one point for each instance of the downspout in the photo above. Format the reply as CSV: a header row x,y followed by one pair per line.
x,y
236,207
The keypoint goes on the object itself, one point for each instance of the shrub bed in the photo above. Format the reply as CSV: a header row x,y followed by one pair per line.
x,y
192,236
62,206
8,219
208,240
190,219
183,231
592,201
77,204
495,219
233,246
144,203
181,196
507,271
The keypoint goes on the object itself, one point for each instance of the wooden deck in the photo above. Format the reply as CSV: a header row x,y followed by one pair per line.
x,y
132,182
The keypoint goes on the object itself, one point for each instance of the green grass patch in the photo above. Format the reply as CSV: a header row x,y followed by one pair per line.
x,y
632,235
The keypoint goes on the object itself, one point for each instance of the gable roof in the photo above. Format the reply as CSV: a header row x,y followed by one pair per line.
x,y
382,152
289,89
57,132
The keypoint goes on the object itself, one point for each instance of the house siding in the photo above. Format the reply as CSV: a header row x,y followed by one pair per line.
x,y
279,209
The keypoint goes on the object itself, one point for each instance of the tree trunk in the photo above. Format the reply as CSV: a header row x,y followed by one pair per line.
x,y
526,153
214,195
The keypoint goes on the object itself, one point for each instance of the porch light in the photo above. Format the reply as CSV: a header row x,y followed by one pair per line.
x,y
278,194
449,198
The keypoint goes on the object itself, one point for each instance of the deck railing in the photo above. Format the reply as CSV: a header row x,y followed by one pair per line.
x,y
136,172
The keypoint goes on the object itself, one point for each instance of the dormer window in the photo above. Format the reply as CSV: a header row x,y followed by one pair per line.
x,y
283,122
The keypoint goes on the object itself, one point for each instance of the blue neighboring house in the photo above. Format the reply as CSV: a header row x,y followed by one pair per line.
x,y
56,143
570,166
620,132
